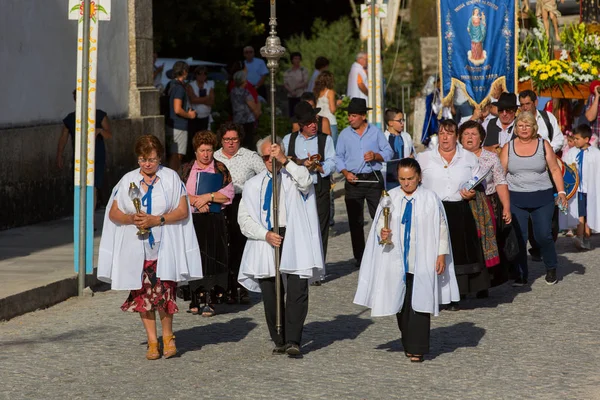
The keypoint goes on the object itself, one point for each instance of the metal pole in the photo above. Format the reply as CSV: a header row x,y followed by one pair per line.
x,y
373,62
405,111
83,148
273,51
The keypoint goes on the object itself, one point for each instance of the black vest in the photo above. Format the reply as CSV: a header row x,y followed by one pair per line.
x,y
321,142
492,135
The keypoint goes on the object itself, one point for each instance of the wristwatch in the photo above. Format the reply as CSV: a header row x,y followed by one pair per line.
x,y
212,197
162,220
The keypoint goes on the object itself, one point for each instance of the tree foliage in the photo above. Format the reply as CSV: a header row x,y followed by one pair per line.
x,y
215,30
337,41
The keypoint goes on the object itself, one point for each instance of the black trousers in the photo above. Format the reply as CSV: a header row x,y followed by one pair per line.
x,y
323,194
356,194
293,310
413,325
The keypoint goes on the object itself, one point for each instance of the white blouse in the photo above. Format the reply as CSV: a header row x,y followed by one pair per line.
x,y
444,178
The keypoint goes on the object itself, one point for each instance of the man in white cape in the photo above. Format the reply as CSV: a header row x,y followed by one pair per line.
x,y
301,252
382,282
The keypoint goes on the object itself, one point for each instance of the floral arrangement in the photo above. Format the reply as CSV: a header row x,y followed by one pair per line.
x,y
579,61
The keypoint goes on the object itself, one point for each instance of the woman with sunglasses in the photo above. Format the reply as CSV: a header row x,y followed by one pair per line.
x,y
243,164
209,186
149,264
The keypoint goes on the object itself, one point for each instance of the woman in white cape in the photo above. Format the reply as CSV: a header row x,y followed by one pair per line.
x,y
414,273
150,265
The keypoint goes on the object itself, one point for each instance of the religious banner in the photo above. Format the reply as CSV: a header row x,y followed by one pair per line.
x,y
99,11
478,43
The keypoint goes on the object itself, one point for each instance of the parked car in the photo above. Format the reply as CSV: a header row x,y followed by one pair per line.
x,y
216,71
569,7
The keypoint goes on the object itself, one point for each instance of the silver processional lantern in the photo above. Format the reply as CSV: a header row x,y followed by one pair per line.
x,y
272,52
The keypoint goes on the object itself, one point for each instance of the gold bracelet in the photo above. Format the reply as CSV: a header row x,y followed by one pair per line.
x,y
212,196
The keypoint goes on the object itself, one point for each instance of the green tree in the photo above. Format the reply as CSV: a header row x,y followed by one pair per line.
x,y
201,29
337,41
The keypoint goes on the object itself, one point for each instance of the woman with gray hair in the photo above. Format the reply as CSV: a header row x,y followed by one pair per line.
x,y
529,162
245,109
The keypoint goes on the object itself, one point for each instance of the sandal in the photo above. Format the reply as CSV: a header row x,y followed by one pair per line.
x,y
407,354
416,359
152,352
208,311
169,348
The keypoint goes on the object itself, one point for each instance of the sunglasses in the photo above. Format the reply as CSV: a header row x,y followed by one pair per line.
x,y
266,157
508,111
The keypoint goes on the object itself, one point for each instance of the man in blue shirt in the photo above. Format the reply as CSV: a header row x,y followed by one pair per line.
x,y
316,152
361,150
256,71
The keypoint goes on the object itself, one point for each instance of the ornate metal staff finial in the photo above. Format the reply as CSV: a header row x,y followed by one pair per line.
x,y
273,50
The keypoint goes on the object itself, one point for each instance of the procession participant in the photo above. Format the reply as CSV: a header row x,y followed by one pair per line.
x,y
242,164
529,161
446,168
210,190
315,151
400,142
298,238
150,265
361,150
548,127
322,122
471,135
413,274
584,207
499,130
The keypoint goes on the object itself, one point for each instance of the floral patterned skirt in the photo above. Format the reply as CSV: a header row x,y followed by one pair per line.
x,y
154,294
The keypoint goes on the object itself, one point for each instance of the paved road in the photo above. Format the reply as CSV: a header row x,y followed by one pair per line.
x,y
537,343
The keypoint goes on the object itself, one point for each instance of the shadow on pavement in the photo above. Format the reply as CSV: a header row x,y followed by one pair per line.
x,y
451,338
195,338
73,335
320,334
339,269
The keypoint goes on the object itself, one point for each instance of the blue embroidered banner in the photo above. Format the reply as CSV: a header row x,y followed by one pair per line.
x,y
478,47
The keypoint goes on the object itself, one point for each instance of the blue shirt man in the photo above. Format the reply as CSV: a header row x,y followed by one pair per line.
x,y
361,150
256,69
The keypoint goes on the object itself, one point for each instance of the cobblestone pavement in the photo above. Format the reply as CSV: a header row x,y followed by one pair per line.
x,y
535,343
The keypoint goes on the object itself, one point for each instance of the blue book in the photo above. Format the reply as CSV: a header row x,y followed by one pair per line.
x,y
207,182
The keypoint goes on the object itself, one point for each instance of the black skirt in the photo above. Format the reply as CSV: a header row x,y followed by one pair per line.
x,y
471,274
237,240
211,232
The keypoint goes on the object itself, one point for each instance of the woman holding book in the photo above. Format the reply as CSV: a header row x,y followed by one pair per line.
x,y
210,189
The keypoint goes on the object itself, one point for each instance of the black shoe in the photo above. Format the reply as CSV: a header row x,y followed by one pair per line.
x,y
482,294
453,306
279,349
519,282
293,350
551,277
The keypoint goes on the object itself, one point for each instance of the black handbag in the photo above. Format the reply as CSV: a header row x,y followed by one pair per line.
x,y
511,243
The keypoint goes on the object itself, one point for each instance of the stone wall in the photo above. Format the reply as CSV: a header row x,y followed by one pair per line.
x,y
429,55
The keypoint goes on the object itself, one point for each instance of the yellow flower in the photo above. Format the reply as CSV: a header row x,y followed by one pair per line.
x,y
544,77
585,66
594,71
559,70
570,70
551,73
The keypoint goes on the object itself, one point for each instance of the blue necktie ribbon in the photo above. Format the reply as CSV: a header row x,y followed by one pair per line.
x,y
267,203
399,146
579,159
147,202
407,222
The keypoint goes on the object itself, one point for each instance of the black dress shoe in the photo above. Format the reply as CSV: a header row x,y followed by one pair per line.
x,y
453,306
293,350
279,349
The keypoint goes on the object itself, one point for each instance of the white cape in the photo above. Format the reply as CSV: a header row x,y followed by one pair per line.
x,y
302,252
380,282
121,254
591,177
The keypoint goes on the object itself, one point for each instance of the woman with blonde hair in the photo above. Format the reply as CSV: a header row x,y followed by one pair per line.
x,y
529,161
325,94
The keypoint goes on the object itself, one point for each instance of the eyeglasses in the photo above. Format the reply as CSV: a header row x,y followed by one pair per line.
x,y
399,120
231,140
148,160
266,157
524,126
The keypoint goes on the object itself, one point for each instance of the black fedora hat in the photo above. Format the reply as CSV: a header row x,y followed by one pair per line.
x,y
304,113
357,106
506,101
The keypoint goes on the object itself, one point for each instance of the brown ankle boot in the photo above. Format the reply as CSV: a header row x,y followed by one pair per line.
x,y
169,349
152,353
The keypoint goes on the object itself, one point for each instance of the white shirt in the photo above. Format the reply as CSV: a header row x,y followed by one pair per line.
x,y
353,90
202,110
558,138
446,179
443,248
571,158
505,134
253,230
242,166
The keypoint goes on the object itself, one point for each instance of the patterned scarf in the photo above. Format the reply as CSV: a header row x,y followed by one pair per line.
x,y
486,228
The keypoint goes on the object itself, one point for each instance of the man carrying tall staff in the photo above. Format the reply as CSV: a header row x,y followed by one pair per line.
x,y
361,150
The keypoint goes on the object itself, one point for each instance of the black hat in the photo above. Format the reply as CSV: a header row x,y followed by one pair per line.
x,y
506,101
304,113
357,106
